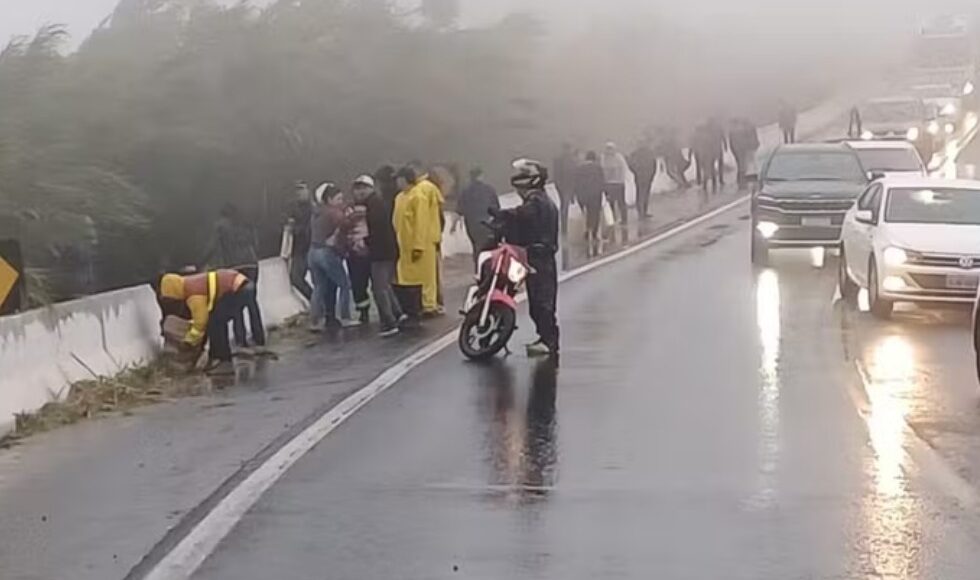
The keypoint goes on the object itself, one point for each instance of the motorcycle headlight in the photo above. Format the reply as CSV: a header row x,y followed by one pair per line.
x,y
913,134
933,128
895,256
516,273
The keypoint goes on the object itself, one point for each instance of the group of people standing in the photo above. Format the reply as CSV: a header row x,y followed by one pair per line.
x,y
382,238
591,177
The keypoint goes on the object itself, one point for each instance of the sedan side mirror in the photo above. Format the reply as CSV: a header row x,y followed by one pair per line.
x,y
864,216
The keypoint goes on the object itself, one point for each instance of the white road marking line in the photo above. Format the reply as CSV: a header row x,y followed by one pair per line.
x,y
915,449
191,552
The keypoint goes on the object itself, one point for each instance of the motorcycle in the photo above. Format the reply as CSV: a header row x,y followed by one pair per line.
x,y
490,309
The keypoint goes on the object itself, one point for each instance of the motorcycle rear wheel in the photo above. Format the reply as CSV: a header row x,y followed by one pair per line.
x,y
482,343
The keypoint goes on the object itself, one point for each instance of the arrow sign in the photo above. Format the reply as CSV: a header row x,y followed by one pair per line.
x,y
11,279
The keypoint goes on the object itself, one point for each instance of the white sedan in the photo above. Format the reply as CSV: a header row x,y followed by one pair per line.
x,y
889,158
912,240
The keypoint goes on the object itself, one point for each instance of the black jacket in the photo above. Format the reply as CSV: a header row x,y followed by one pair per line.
x,y
534,224
589,183
382,243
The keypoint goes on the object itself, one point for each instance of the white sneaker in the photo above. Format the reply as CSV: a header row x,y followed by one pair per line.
x,y
350,323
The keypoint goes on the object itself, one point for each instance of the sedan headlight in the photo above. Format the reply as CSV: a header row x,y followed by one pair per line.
x,y
516,273
867,135
913,134
895,256
933,128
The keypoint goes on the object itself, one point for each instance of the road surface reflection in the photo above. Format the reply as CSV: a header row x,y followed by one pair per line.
x,y
892,514
768,319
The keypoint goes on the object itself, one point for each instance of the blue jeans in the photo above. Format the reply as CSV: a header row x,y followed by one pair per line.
x,y
329,275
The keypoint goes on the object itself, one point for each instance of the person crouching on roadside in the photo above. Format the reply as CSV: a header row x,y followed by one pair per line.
x,y
212,299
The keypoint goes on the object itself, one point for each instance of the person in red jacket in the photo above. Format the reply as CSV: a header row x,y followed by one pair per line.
x,y
212,299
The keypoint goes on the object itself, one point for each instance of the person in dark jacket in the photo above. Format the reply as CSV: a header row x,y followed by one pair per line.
x,y
386,185
476,202
534,225
643,164
590,182
329,235
233,246
564,176
382,250
719,144
743,140
298,219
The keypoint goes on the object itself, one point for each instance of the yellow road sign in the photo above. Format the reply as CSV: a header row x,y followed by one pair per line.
x,y
8,279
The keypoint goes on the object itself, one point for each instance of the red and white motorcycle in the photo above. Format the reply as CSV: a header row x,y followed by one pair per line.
x,y
490,309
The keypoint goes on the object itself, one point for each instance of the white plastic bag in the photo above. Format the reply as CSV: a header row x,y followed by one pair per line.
x,y
608,218
630,192
662,183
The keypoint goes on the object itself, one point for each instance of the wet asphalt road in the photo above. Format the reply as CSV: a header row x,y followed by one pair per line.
x,y
708,421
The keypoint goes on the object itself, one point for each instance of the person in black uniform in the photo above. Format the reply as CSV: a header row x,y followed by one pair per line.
x,y
534,225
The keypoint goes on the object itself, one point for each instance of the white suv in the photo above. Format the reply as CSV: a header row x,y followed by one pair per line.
x,y
912,240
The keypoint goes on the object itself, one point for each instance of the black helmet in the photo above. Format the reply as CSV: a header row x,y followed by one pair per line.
x,y
529,175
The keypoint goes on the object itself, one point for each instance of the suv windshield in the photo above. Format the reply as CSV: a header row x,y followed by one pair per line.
x,y
815,166
889,160
933,206
892,111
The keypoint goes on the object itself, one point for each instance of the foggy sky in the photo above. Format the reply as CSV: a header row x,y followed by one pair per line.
x,y
805,17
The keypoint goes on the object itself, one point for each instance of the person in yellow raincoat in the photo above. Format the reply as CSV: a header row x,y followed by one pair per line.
x,y
412,219
433,225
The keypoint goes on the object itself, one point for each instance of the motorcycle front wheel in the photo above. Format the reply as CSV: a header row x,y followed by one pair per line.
x,y
482,343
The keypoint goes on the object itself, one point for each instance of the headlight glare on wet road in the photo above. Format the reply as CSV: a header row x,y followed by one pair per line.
x,y
767,229
895,256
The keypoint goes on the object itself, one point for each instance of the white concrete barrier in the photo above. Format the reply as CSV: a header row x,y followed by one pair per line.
x,y
44,351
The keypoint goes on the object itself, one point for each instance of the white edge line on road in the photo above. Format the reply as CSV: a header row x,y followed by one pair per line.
x,y
916,449
194,548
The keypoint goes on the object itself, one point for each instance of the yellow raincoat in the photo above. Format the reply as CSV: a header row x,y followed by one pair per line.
x,y
434,201
413,228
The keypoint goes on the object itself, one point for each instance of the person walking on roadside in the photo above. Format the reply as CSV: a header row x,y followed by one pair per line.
x,y
382,253
435,224
328,247
298,221
787,122
590,182
675,163
719,144
643,164
358,258
417,256
704,148
743,140
233,246
564,179
212,300
476,202
615,168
